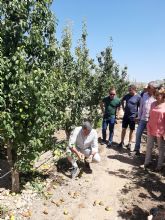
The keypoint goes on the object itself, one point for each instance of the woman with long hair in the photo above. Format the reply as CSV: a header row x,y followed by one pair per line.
x,y
156,129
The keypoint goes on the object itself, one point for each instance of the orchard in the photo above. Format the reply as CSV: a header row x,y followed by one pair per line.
x,y
44,84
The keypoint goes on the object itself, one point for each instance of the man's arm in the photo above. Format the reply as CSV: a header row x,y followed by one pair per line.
x,y
117,110
140,111
75,151
102,106
122,103
72,143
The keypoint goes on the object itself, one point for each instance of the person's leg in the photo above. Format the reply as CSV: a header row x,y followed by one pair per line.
x,y
104,128
123,133
132,128
96,158
111,129
131,123
139,132
130,136
88,158
72,161
150,144
161,147
75,170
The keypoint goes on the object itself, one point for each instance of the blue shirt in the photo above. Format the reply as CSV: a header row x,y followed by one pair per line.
x,y
131,106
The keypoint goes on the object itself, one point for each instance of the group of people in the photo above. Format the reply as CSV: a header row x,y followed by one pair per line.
x,y
146,109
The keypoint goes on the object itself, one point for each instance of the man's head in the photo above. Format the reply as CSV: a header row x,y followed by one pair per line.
x,y
86,128
151,88
145,88
112,93
132,89
160,94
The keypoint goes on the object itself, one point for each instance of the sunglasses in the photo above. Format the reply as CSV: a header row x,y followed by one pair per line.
x,y
112,94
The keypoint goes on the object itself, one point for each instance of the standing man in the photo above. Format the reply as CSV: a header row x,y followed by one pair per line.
x,y
130,104
83,144
145,104
109,106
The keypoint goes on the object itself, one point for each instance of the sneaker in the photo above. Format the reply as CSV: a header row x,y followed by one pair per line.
x,y
109,145
128,146
158,169
103,142
121,145
75,172
136,152
87,167
145,166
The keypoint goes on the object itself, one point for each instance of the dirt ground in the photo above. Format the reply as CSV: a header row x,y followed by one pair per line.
x,y
117,189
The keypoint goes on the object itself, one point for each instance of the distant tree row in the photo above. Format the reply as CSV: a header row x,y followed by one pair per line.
x,y
43,85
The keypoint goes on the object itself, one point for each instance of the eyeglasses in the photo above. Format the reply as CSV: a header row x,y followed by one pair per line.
x,y
112,94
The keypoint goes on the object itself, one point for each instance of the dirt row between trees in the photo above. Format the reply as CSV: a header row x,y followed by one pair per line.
x,y
117,189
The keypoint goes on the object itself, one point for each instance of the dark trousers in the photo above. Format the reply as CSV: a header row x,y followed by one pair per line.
x,y
111,123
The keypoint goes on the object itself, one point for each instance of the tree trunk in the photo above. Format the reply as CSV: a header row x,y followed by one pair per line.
x,y
15,181
14,171
67,133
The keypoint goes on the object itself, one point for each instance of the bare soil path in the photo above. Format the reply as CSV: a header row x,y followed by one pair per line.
x,y
117,189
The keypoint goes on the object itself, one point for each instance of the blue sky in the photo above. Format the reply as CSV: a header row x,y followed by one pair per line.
x,y
137,28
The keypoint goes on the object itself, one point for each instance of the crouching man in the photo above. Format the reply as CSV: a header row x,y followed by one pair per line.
x,y
83,144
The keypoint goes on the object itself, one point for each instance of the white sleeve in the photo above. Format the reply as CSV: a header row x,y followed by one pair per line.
x,y
73,137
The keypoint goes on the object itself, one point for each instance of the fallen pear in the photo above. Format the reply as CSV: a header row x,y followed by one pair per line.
x,y
26,214
101,203
13,193
107,208
45,211
96,202
53,201
57,204
76,193
62,200
49,193
12,217
65,212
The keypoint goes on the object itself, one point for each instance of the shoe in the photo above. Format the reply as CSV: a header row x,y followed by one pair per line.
x,y
128,146
89,159
121,145
103,142
75,172
87,167
145,166
109,145
137,152
158,169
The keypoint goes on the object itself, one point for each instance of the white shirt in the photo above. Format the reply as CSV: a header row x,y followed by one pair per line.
x,y
80,141
145,105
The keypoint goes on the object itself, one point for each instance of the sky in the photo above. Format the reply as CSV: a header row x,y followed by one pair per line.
x,y
137,28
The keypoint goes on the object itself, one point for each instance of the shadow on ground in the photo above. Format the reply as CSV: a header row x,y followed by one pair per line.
x,y
146,188
136,213
5,180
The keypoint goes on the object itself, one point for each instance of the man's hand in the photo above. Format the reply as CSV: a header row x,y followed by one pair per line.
x,y
81,156
137,120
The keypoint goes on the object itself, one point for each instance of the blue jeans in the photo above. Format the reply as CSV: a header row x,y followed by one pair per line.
x,y
111,123
139,132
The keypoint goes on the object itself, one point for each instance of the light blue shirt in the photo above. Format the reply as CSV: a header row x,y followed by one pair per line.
x,y
145,105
